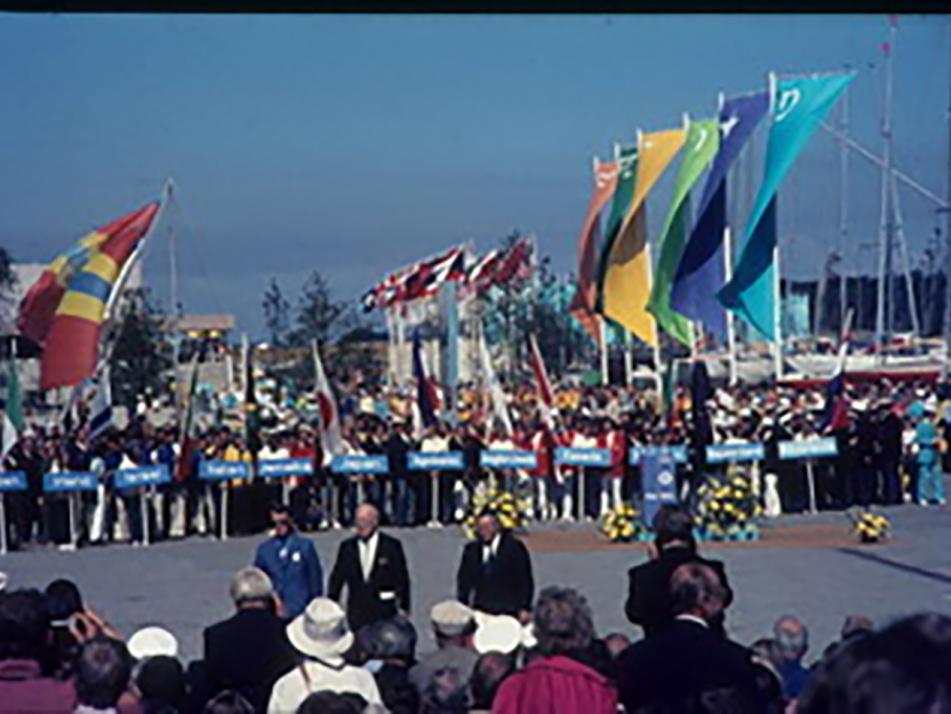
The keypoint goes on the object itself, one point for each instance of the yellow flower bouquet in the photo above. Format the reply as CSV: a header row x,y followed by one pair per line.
x,y
726,509
870,527
511,510
623,524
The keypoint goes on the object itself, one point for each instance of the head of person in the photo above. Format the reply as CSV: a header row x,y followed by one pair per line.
x,y
562,622
453,623
24,624
281,520
103,668
616,644
857,626
392,640
491,669
696,590
673,527
446,692
161,681
251,588
366,520
792,638
321,630
62,600
488,526
228,702
328,702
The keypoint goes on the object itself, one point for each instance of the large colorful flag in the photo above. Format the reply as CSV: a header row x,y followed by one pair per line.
x,y
799,105
64,309
620,204
331,439
427,399
701,270
605,183
546,398
701,145
627,274
189,435
14,396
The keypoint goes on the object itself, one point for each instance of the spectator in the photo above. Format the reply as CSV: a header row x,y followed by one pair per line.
x,y
682,662
23,636
454,626
62,601
103,671
857,626
332,703
648,600
152,641
291,562
228,702
390,646
161,683
560,682
249,652
322,636
490,671
446,692
617,644
792,639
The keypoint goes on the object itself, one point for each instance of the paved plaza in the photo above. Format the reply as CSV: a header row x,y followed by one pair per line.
x,y
807,565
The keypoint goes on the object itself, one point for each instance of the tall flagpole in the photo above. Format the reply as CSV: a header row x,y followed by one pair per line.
x,y
777,314
604,351
730,325
843,206
884,259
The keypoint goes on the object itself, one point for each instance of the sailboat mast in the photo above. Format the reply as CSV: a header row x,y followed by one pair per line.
x,y
882,330
947,217
843,207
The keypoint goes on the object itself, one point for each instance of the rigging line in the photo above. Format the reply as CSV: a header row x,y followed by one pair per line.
x,y
202,269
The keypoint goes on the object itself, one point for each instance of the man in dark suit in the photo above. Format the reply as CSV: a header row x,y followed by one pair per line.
x,y
648,601
373,568
687,665
249,651
495,575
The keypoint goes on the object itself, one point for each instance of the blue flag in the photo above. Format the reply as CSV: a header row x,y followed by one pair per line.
x,y
426,398
700,271
798,106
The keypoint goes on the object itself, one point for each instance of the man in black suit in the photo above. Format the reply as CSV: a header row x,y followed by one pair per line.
x,y
373,567
495,575
687,665
648,601
249,651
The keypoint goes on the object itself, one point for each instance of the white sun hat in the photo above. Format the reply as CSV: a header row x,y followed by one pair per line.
x,y
152,642
321,630
498,633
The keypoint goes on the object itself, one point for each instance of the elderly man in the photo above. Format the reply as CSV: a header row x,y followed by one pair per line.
x,y
792,637
453,625
249,651
495,575
373,568
290,561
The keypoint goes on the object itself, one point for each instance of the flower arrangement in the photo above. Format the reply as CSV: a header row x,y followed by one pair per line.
x,y
726,509
511,510
870,527
623,524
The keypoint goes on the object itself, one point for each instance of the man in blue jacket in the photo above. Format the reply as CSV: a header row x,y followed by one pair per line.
x,y
291,562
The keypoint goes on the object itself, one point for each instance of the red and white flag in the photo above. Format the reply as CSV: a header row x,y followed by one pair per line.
x,y
331,440
546,398
189,429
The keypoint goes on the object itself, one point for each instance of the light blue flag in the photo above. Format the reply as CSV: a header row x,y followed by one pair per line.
x,y
798,106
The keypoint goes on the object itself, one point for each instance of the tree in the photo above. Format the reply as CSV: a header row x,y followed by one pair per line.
x,y
316,312
142,353
276,314
8,282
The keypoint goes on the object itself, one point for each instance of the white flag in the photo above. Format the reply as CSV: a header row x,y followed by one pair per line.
x,y
331,439
9,436
100,417
499,406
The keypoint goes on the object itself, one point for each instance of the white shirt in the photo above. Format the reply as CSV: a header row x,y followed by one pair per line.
x,y
492,549
292,689
694,619
367,552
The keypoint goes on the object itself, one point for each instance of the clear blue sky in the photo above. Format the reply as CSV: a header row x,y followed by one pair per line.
x,y
354,145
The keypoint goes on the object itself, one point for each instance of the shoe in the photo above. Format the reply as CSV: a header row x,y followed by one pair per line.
x,y
923,504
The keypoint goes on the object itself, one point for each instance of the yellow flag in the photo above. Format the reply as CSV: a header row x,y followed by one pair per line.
x,y
627,277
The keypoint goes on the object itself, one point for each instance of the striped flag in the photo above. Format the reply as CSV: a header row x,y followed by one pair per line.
x,y
101,407
427,399
189,429
546,398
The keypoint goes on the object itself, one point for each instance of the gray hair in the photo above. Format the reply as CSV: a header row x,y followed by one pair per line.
x,y
792,637
394,637
250,584
562,621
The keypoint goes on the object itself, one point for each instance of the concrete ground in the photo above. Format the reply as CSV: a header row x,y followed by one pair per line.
x,y
184,585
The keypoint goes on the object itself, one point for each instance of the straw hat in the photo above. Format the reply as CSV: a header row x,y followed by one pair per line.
x,y
152,642
321,630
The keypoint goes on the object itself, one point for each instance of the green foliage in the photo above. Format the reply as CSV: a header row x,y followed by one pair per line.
x,y
316,313
277,311
142,353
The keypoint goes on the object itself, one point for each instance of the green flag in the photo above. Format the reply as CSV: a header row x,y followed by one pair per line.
x,y
627,174
14,398
703,140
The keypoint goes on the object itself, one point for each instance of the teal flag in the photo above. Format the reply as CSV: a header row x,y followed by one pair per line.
x,y
798,106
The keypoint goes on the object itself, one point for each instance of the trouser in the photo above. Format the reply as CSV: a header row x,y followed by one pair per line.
x,y
21,513
562,494
891,481
930,481
174,508
206,500
56,517
404,500
863,484
592,492
420,482
610,497
447,497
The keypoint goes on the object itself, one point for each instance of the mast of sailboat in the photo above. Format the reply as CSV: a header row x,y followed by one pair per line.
x,y
882,328
777,274
843,206
947,220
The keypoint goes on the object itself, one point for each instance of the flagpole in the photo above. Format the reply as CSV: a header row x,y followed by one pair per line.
x,y
777,315
604,351
730,324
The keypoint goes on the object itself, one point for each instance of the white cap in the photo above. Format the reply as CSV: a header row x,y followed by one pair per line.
x,y
152,642
498,633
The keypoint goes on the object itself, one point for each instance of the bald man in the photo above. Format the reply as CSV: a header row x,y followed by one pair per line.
x,y
373,568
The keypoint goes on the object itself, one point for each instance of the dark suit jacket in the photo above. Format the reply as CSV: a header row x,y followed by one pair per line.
x,y
674,669
648,599
502,587
248,652
388,575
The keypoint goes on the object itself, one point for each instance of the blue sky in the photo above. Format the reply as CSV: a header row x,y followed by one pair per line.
x,y
356,144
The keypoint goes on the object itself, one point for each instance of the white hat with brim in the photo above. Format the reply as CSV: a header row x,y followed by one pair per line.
x,y
321,630
152,642
498,633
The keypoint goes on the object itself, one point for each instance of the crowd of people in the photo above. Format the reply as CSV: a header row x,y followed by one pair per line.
x,y
500,647
891,448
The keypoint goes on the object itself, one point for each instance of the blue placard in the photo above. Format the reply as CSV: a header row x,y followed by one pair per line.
x,y
285,468
223,470
142,476
746,451
359,464
12,481
70,481
435,461
677,451
507,459
599,458
658,474
808,448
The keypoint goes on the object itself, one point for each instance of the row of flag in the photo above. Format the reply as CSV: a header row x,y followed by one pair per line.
x,y
617,278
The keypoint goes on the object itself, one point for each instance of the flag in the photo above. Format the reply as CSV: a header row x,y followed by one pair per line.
x,y
331,440
189,435
14,409
496,393
100,410
605,183
620,203
835,414
546,399
427,400
700,392
9,437
252,417
480,274
700,273
799,105
626,283
701,144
